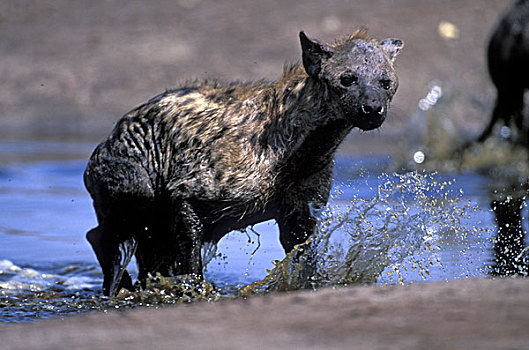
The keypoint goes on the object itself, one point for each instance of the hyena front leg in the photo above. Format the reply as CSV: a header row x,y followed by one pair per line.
x,y
299,219
296,225
301,208
172,246
294,229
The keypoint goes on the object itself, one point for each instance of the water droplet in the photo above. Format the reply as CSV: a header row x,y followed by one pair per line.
x,y
418,157
505,132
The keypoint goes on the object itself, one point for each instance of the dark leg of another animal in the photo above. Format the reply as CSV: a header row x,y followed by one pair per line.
x,y
509,106
508,54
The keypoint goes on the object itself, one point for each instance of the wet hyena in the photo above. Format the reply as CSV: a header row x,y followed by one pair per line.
x,y
508,61
196,162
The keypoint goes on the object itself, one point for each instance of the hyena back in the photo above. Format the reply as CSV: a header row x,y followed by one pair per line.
x,y
194,163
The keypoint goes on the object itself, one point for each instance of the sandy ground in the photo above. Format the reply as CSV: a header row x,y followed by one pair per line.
x,y
70,69
472,314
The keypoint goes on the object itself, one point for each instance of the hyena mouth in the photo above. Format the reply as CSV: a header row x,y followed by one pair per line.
x,y
369,118
366,109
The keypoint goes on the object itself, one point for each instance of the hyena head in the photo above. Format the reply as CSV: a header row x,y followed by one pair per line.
x,y
359,73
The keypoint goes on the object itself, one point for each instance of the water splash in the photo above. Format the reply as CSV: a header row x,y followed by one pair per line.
x,y
404,224
28,294
500,160
166,290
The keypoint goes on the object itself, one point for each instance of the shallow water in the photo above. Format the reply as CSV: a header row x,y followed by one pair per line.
x,y
47,269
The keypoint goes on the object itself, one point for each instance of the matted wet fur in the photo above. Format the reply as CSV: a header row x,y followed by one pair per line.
x,y
198,161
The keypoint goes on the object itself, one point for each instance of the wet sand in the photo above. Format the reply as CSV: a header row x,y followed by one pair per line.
x,y
477,314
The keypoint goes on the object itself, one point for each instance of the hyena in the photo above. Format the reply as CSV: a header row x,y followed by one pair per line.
x,y
207,158
508,62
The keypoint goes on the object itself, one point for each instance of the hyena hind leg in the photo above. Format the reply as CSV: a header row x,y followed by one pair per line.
x,y
190,232
108,254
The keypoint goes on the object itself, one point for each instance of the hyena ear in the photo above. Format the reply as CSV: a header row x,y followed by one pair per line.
x,y
392,47
315,52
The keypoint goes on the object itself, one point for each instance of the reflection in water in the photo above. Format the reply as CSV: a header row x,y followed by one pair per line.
x,y
510,250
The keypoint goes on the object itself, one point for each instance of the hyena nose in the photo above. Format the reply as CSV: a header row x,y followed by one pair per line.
x,y
372,109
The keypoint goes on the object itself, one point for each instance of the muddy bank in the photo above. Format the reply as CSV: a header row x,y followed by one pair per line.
x,y
481,314
72,68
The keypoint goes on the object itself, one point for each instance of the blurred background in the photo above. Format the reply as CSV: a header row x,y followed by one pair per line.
x,y
70,69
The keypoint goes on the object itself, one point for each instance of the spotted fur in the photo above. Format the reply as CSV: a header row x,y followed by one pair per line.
x,y
201,160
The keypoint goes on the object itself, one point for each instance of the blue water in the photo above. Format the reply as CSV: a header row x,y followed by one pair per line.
x,y
45,213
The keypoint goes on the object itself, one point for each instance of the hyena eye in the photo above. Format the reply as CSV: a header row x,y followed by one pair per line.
x,y
385,84
348,79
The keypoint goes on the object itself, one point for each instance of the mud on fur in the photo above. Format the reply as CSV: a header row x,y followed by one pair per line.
x,y
199,161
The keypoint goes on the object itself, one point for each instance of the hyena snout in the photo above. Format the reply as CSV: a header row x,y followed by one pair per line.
x,y
371,111
373,103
